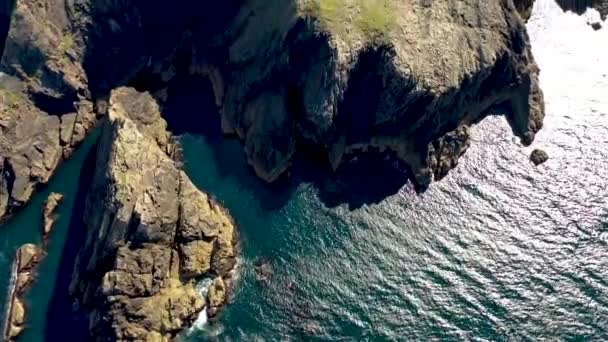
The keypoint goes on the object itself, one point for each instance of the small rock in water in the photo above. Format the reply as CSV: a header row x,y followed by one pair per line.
x,y
48,213
596,26
538,157
263,270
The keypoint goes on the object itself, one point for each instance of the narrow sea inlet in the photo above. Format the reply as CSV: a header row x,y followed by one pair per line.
x,y
26,227
498,250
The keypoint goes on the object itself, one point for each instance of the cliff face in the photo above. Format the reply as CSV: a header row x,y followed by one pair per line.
x,y
283,79
284,76
151,233
45,108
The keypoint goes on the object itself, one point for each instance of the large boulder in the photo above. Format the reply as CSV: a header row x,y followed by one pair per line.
x,y
151,232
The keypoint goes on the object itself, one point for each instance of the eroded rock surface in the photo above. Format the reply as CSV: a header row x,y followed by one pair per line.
x,y
48,213
151,233
294,82
26,259
524,7
45,106
538,157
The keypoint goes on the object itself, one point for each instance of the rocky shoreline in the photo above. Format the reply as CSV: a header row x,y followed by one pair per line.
x,y
23,271
412,87
45,106
296,85
26,259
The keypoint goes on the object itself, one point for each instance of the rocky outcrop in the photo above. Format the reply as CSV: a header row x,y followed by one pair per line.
x,y
538,157
48,213
151,232
334,82
45,106
216,296
27,258
602,7
524,7
303,82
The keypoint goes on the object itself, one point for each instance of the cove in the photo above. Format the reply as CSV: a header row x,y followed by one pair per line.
x,y
498,250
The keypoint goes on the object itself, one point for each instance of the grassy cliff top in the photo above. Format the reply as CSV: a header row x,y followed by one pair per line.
x,y
368,20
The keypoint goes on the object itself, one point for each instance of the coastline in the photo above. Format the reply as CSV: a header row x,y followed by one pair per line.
x,y
10,299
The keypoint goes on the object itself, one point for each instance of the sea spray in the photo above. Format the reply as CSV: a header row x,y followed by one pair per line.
x,y
202,288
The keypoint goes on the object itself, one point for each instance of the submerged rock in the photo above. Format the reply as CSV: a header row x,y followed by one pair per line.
x,y
263,270
151,233
538,157
48,213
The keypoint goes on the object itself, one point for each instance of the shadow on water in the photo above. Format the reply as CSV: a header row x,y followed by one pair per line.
x,y
62,324
365,179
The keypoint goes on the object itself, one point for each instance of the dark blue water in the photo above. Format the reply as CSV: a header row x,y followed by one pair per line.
x,y
498,250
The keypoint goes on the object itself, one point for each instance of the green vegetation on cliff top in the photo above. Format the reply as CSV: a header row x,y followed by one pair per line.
x,y
370,20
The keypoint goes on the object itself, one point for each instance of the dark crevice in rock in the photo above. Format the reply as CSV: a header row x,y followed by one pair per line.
x,y
357,113
7,182
6,11
190,107
56,106
132,234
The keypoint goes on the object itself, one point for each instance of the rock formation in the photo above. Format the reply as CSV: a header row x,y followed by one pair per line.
x,y
45,106
580,6
48,213
312,79
27,258
524,7
151,232
216,296
538,157
302,82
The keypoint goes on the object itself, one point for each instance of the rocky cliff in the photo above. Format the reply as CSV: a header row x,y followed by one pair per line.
x,y
150,232
323,76
330,77
45,106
